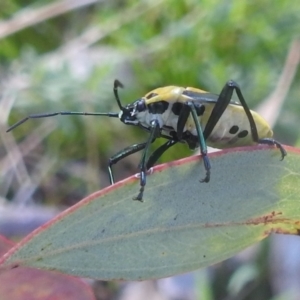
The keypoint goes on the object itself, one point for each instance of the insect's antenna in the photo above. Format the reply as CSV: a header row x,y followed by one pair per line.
x,y
63,113
118,84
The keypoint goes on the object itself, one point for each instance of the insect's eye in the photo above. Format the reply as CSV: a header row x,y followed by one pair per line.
x,y
151,95
140,105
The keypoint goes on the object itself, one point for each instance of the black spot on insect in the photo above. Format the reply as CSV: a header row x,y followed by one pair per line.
x,y
234,129
243,134
151,95
200,109
176,108
158,107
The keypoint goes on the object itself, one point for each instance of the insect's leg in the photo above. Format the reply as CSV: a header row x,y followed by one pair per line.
x,y
159,152
190,108
253,128
187,108
221,105
122,154
203,147
254,133
154,133
272,142
182,119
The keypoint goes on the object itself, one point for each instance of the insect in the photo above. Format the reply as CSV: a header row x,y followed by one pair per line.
x,y
190,115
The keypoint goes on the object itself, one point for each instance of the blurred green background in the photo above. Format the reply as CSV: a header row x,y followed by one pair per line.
x,y
65,55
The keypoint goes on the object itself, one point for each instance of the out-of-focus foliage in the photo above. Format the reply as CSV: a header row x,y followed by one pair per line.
x,y
69,62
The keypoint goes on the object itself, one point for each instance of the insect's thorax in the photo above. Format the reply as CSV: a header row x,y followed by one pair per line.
x,y
159,106
232,129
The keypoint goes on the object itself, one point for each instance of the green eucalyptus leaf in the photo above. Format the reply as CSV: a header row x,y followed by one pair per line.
x,y
182,225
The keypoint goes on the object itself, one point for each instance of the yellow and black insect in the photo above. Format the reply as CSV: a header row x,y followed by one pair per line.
x,y
188,115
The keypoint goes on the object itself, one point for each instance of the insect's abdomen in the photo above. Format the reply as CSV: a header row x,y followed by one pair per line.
x,y
233,128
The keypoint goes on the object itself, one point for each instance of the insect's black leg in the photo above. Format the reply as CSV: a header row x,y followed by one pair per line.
x,y
253,128
203,147
187,108
272,142
254,133
220,106
122,154
154,133
182,119
159,152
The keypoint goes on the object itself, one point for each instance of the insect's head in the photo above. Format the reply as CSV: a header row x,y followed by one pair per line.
x,y
129,113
